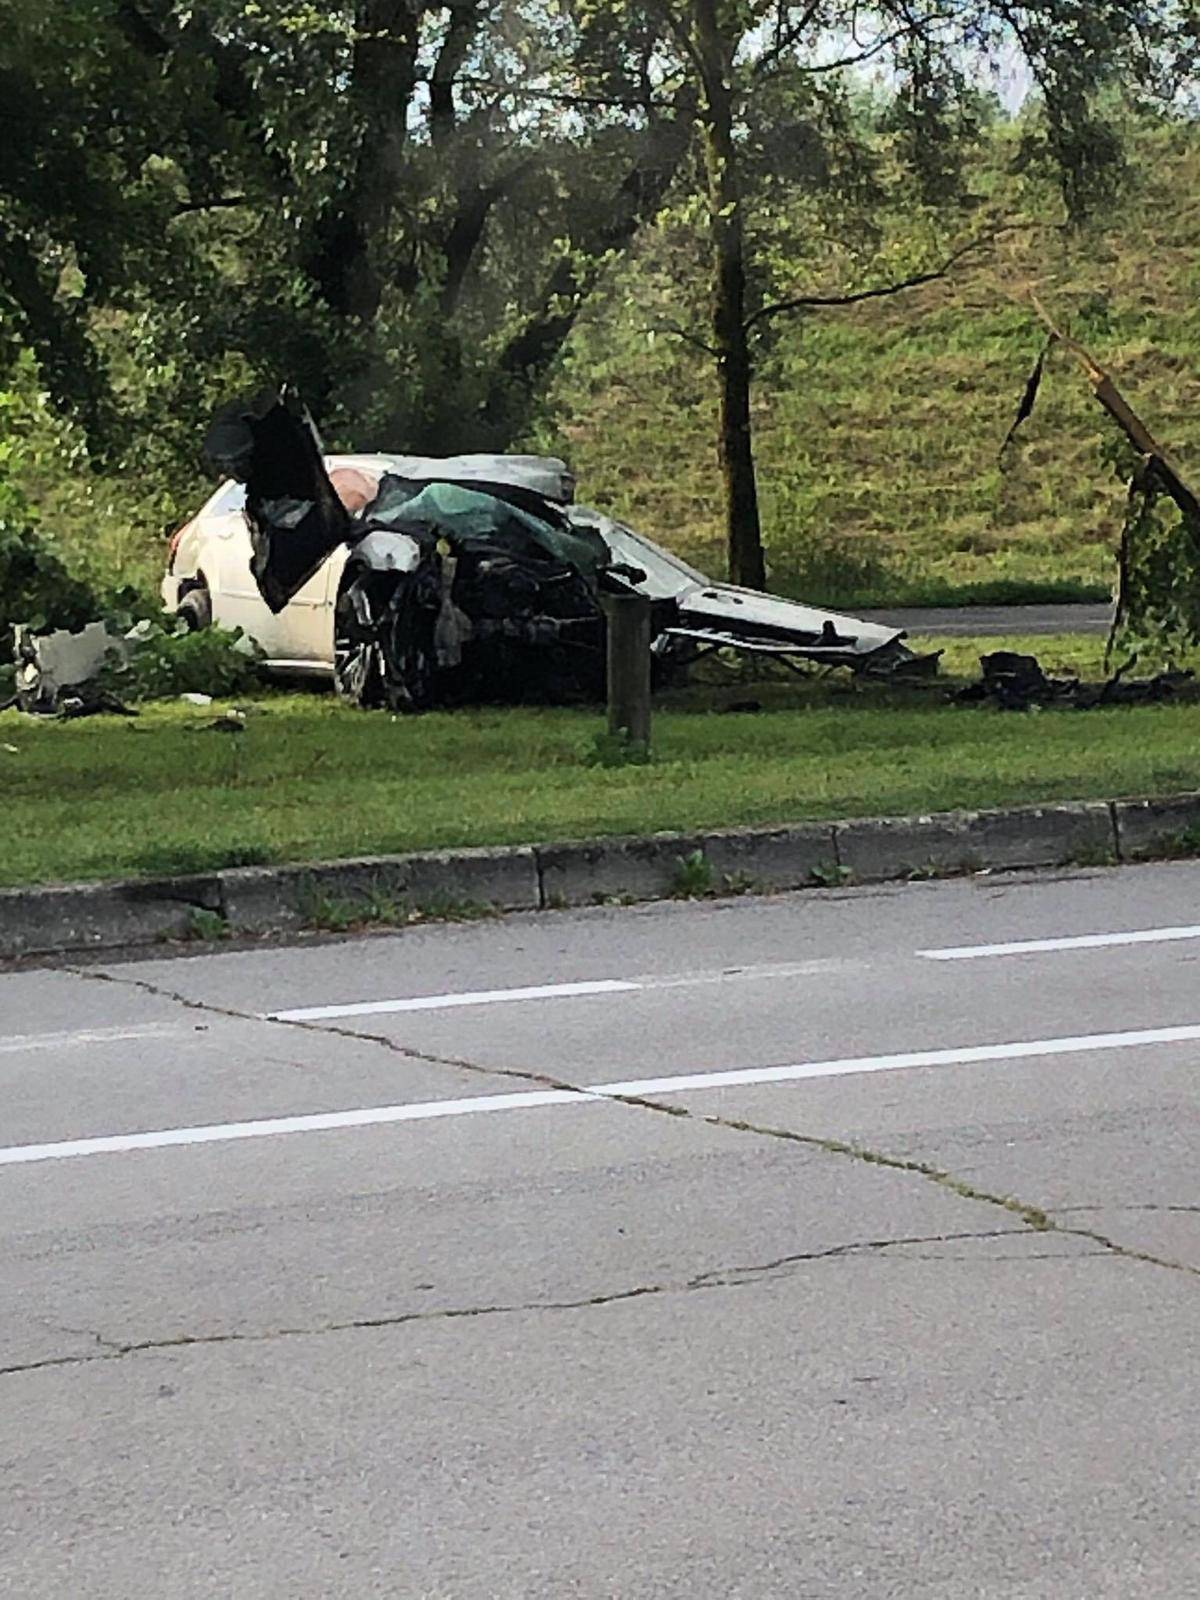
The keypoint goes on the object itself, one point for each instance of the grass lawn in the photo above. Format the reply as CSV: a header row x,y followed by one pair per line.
x,y
310,779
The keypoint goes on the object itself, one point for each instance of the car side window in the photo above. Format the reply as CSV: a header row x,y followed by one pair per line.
x,y
229,497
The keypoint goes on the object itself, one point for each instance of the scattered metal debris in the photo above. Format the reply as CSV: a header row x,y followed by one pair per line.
x,y
1017,682
90,701
55,670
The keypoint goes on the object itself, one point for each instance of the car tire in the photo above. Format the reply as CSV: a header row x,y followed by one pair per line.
x,y
383,643
195,609
357,676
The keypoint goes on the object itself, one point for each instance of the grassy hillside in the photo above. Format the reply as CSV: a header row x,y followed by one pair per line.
x,y
878,427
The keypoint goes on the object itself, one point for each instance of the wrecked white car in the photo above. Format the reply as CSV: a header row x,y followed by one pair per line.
x,y
417,582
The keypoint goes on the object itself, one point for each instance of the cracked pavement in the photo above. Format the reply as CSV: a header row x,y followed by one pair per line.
x,y
919,1331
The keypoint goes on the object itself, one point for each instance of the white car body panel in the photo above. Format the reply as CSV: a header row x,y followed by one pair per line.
x,y
701,601
715,602
215,546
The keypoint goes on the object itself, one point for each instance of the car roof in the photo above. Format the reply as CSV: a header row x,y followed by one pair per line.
x,y
543,475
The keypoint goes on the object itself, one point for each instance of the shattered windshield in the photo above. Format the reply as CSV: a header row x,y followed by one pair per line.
x,y
470,514
667,576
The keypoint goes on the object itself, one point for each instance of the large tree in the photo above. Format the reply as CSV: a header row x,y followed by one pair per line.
x,y
402,205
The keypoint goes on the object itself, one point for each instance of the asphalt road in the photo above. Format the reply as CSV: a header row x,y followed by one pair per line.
x,y
995,621
899,1299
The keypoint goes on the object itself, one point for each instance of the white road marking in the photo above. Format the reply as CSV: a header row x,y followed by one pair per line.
x,y
1083,941
19,1043
592,1094
447,1002
562,991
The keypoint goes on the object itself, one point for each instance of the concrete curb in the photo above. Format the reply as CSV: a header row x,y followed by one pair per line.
x,y
385,889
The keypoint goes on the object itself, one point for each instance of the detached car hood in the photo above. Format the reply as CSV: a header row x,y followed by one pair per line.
x,y
743,619
752,621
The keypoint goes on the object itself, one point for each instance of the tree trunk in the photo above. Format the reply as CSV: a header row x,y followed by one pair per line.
x,y
714,54
348,238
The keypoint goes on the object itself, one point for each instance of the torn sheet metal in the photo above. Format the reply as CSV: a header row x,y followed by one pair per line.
x,y
50,666
298,518
1016,682
478,578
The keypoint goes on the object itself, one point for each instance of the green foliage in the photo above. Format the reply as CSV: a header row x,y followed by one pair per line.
x,y
280,189
280,192
334,913
693,876
830,875
442,908
339,913
88,799
878,426
164,664
617,750
185,859
1159,596
207,926
808,558
1181,846
35,586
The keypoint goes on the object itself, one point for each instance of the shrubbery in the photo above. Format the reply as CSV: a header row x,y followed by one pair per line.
x,y
35,586
162,664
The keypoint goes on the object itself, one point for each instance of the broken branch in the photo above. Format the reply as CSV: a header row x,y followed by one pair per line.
x,y
882,291
868,52
220,202
557,97
1123,414
785,38
1029,398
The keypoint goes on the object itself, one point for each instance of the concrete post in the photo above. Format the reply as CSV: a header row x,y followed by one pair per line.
x,y
629,667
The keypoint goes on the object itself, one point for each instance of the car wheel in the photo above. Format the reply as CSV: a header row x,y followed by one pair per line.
x,y
357,669
195,609
407,652
383,643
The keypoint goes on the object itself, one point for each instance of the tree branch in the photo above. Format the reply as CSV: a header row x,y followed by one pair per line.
x,y
555,97
466,230
869,52
532,349
1123,414
678,29
58,334
801,301
140,31
785,39
676,331
460,32
221,202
